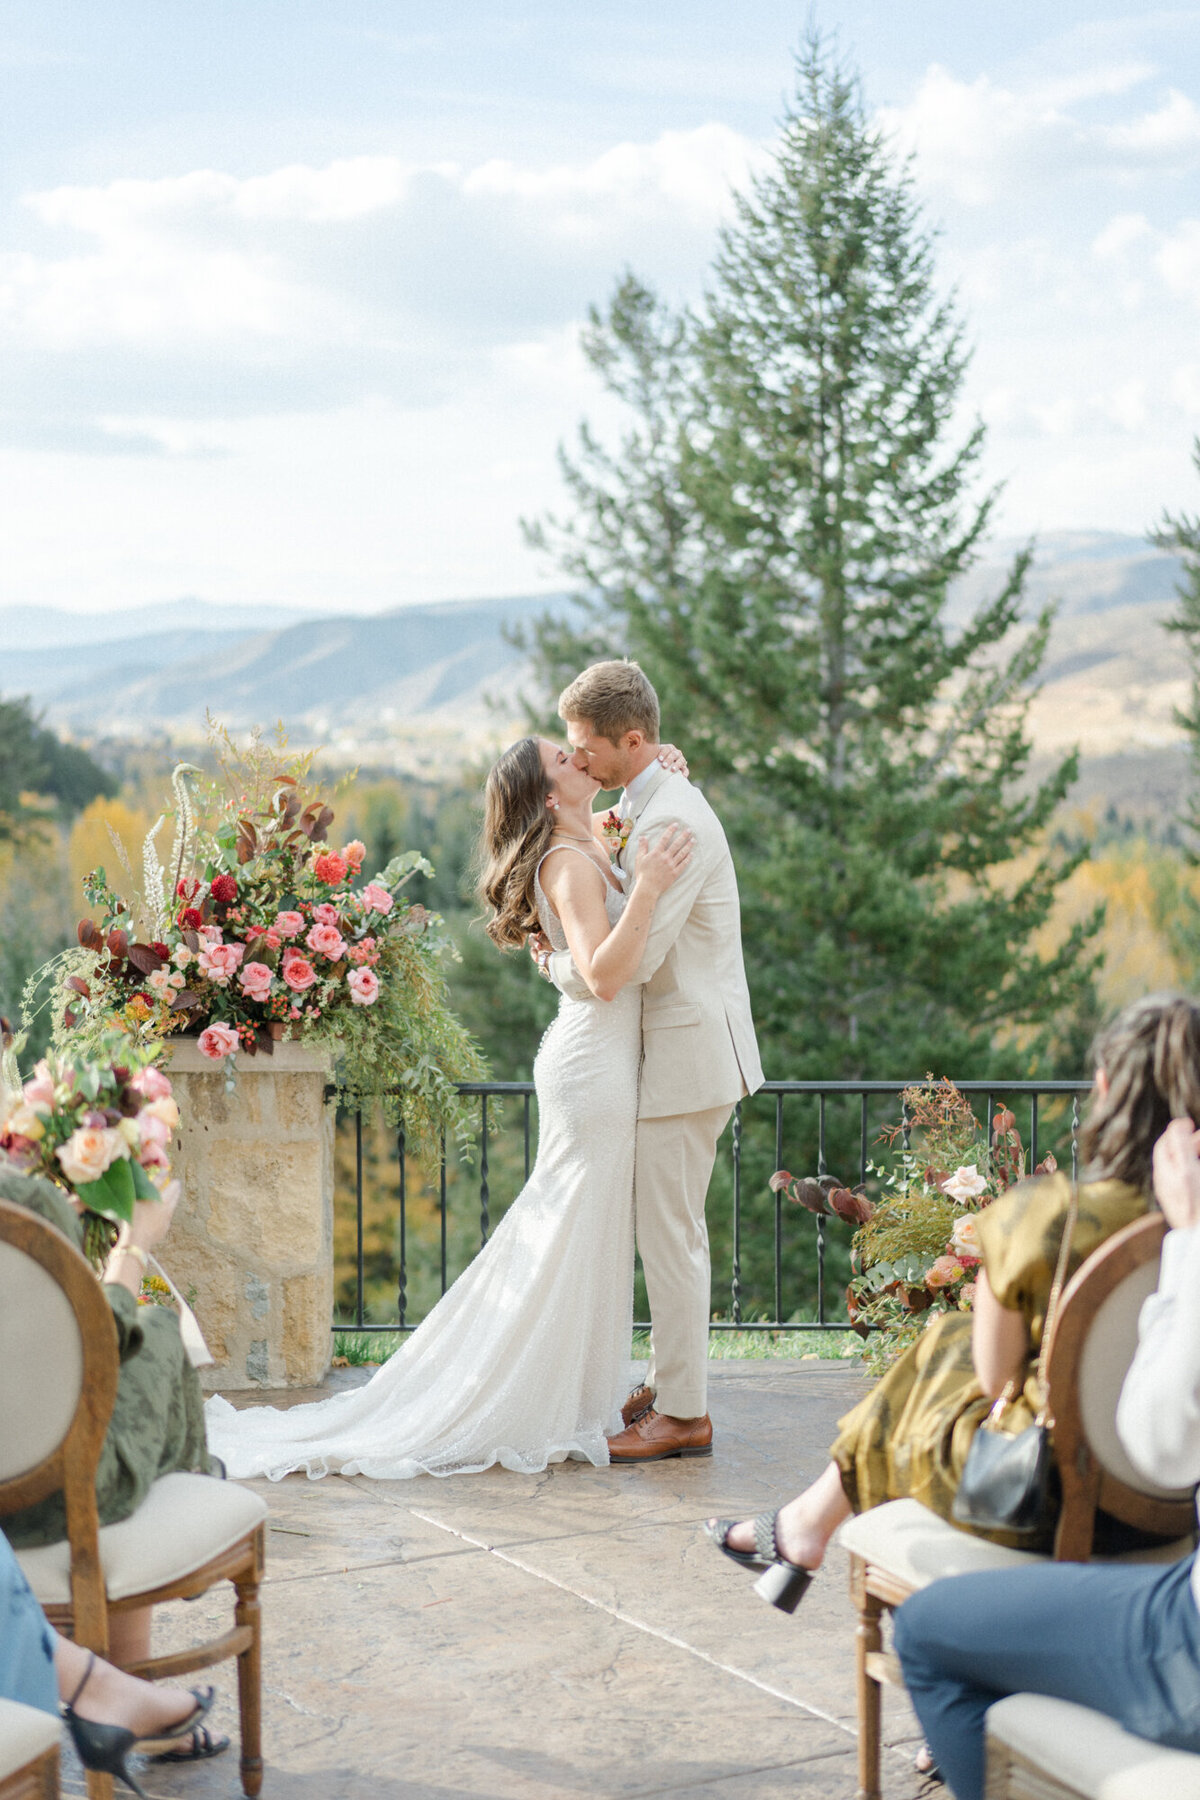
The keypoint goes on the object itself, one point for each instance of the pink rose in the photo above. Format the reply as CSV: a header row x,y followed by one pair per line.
x,y
353,855
220,962
39,1089
150,1082
255,980
364,986
289,924
325,914
376,899
152,1129
217,1041
326,940
274,940
298,972
210,933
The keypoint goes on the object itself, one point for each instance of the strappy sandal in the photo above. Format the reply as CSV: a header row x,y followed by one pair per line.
x,y
765,1550
201,1745
204,1698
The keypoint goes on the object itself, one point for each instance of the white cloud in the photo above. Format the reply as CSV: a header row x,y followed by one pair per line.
x,y
1170,128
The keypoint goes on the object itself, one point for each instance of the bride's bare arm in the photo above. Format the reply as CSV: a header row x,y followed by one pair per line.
x,y
605,957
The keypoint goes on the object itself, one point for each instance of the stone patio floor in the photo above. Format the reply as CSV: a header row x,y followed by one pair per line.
x,y
552,1637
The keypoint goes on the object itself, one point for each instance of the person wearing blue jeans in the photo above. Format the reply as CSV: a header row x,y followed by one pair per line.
x,y
1123,1640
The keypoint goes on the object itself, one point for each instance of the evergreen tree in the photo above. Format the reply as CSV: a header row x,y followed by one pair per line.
x,y
35,762
1177,909
773,539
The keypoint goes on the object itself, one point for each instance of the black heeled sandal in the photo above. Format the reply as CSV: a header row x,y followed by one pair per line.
x,y
764,1552
102,1748
784,1583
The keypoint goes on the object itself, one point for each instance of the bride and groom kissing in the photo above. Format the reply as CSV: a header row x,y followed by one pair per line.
x,y
525,1361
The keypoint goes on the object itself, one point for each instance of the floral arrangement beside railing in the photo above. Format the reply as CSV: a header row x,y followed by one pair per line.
x,y
916,1250
98,1126
257,929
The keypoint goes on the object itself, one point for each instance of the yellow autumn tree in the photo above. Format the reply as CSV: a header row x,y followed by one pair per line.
x,y
91,846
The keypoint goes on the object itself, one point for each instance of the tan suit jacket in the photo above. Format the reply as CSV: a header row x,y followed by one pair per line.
x,y
697,1032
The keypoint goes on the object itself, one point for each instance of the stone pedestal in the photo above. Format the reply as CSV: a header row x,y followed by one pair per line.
x,y
251,1244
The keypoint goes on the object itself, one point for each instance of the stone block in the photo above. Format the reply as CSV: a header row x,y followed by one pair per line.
x,y
253,1234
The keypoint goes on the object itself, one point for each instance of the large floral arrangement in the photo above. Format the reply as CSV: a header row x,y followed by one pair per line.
x,y
257,928
916,1251
98,1125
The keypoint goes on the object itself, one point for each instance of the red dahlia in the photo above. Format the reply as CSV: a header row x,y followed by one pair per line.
x,y
224,889
190,919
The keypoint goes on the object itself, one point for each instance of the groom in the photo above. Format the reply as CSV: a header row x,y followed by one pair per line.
x,y
699,1052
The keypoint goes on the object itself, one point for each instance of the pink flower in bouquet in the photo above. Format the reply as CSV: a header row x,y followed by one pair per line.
x,y
289,924
181,956
364,986
160,981
945,1270
298,972
353,855
220,962
152,1128
152,1083
89,1151
326,940
326,914
211,934
39,1089
255,980
217,1041
155,1161
330,870
376,899
273,939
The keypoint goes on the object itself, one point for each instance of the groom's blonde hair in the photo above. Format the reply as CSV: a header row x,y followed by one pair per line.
x,y
613,698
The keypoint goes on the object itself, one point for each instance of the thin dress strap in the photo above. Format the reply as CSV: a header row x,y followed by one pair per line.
x,y
551,923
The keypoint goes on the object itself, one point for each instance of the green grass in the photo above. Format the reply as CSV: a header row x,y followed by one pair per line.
x,y
365,1349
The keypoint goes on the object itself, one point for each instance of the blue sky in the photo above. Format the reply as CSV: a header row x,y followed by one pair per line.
x,y
290,292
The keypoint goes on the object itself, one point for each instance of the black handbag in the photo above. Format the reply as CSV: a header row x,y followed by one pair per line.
x,y
1010,1480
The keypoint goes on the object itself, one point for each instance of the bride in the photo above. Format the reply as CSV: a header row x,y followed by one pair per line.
x,y
525,1361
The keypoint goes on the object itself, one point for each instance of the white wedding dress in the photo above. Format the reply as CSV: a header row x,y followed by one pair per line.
x,y
526,1359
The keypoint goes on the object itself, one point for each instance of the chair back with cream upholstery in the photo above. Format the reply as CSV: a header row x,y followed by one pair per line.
x,y
1092,1346
58,1349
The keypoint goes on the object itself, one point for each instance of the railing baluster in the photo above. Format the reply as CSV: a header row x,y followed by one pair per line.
x,y
402,1283
442,1202
1033,1133
528,1097
358,1215
1075,1137
484,1192
821,1170
779,1209
736,1283
862,1144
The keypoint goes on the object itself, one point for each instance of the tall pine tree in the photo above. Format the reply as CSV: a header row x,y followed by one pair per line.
x,y
773,539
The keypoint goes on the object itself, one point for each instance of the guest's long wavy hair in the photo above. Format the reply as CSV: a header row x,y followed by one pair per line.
x,y
516,835
1150,1054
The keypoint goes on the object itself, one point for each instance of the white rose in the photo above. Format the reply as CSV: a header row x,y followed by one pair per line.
x,y
181,956
23,1119
128,1129
965,1184
965,1236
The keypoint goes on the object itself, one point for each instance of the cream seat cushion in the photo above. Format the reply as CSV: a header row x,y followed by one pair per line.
x,y
1091,1754
25,1734
184,1521
916,1547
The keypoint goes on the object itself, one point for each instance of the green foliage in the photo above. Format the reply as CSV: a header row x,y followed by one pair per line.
x,y
773,539
1180,533
35,762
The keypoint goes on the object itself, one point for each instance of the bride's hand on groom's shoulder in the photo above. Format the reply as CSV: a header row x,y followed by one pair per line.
x,y
672,759
661,863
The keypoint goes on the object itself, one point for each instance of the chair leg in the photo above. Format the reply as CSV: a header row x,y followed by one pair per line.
x,y
868,1641
248,1612
99,1787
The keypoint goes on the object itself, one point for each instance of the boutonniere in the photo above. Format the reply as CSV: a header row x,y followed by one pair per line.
x,y
615,831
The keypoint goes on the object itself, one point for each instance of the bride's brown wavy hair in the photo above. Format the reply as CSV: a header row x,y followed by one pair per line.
x,y
516,835
1150,1054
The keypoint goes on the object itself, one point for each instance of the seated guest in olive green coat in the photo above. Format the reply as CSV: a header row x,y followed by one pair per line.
x,y
157,1423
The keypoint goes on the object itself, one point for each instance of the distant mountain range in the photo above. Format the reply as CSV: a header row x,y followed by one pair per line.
x,y
408,685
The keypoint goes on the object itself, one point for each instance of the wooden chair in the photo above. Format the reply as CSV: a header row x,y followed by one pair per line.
x,y
900,1547
58,1351
28,1753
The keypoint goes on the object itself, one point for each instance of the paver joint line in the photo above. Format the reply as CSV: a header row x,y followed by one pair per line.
x,y
666,1637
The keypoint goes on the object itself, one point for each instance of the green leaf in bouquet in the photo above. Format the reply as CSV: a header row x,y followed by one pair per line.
x,y
143,1187
113,1194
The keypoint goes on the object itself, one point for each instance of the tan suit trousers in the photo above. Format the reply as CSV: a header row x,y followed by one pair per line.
x,y
673,1167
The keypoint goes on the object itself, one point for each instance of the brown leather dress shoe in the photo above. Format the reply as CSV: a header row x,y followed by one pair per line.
x,y
640,1400
655,1436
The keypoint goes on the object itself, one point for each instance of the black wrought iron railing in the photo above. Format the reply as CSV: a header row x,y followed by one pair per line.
x,y
774,1264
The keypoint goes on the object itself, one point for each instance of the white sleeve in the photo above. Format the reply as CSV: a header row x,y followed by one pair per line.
x,y
1158,1415
566,977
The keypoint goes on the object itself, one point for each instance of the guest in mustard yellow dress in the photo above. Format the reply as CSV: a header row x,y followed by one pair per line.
x,y
909,1437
